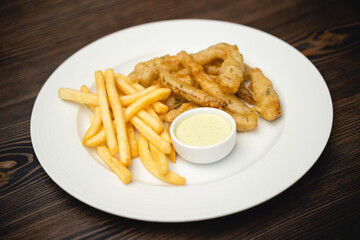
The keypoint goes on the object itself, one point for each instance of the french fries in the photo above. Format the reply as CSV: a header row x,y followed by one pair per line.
x,y
120,122
120,170
150,98
151,135
87,90
94,127
121,107
105,112
150,165
160,159
78,96
132,140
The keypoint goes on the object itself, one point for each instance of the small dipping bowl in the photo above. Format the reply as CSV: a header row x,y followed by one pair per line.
x,y
208,153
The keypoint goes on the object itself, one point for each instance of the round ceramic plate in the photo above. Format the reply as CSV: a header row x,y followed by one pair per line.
x,y
264,162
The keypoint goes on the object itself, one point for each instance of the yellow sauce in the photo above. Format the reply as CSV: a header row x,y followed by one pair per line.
x,y
203,129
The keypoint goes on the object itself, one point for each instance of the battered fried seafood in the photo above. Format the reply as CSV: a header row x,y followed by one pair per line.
x,y
246,118
245,94
231,71
214,77
171,115
266,99
147,72
189,92
173,101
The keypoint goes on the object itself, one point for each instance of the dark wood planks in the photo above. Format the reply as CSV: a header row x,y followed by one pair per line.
x,y
37,36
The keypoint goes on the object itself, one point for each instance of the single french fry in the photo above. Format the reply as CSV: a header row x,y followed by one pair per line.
x,y
85,89
94,126
150,165
160,159
119,169
150,98
172,154
160,107
127,100
166,136
91,117
120,123
77,96
151,135
124,86
105,112
132,140
150,121
97,139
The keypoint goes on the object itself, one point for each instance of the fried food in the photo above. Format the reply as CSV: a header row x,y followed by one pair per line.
x,y
214,77
234,104
119,169
247,71
95,126
152,97
189,92
151,135
210,54
231,71
266,99
245,94
151,166
78,96
171,115
147,72
174,101
105,112
119,118
213,67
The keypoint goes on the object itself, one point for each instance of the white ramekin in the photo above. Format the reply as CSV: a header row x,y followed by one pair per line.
x,y
204,154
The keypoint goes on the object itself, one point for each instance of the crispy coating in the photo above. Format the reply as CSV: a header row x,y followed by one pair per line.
x,y
213,67
147,72
210,54
174,101
245,94
231,70
171,115
243,123
247,117
247,71
266,99
189,92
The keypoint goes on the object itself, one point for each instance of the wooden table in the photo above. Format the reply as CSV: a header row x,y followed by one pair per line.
x,y
37,36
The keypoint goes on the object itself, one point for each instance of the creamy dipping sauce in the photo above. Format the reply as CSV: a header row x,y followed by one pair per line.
x,y
203,129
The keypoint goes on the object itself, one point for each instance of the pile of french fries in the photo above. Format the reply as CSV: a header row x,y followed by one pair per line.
x,y
120,106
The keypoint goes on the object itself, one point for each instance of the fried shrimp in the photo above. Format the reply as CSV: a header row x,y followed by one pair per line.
x,y
266,99
147,72
189,92
246,117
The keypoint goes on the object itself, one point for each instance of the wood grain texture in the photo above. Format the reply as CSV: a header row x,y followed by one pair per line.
x,y
37,36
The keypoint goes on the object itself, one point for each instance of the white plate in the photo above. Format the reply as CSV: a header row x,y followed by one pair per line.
x,y
264,162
